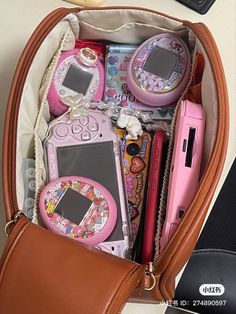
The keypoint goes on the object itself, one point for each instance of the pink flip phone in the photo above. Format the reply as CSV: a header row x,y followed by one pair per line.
x,y
79,71
88,147
185,166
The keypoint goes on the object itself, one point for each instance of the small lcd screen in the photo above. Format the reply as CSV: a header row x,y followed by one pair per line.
x,y
73,206
161,62
95,161
77,79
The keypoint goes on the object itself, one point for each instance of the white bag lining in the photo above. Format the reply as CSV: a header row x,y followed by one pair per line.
x,y
29,105
115,18
129,33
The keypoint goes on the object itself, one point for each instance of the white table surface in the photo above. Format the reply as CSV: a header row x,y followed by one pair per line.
x,y
19,18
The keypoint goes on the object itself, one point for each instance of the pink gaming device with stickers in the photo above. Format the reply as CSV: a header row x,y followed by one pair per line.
x,y
79,208
185,166
87,146
79,71
159,70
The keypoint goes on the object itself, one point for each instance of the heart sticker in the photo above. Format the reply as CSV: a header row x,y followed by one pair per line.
x,y
137,164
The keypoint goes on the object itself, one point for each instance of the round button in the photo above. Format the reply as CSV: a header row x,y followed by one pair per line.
x,y
93,127
87,56
85,136
111,92
133,149
76,127
84,120
112,70
61,130
113,59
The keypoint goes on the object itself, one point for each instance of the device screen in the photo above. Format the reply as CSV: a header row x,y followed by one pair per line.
x,y
95,161
161,62
77,79
73,206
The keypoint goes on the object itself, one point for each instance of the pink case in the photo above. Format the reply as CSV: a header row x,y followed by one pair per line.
x,y
184,179
100,197
57,90
155,90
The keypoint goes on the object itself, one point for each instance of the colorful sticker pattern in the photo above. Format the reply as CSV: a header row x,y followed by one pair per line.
x,y
135,171
95,218
151,82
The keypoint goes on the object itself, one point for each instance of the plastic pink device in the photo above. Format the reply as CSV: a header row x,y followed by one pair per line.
x,y
159,70
79,208
185,166
87,146
79,71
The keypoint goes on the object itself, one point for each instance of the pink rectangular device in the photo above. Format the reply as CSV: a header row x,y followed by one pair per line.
x,y
87,146
185,166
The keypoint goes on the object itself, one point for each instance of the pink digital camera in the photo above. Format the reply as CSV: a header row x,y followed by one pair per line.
x,y
88,147
79,71
159,70
185,166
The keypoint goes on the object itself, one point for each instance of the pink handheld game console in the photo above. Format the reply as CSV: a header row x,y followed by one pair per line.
x,y
185,166
79,71
159,70
87,146
78,208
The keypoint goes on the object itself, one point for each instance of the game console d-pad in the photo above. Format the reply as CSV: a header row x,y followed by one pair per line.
x,y
83,129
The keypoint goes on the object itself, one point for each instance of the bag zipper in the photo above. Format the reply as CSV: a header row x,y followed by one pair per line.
x,y
14,101
220,145
13,222
147,272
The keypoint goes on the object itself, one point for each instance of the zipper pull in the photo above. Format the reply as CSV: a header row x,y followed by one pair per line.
x,y
12,222
149,279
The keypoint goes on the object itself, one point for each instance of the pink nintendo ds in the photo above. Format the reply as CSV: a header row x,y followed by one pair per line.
x,y
159,70
79,71
87,146
185,166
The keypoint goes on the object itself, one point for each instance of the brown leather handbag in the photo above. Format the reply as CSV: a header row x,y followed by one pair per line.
x,y
42,272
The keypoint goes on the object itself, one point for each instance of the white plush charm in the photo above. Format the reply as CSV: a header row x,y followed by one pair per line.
x,y
132,125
